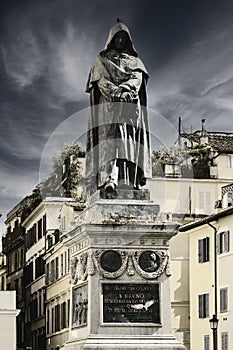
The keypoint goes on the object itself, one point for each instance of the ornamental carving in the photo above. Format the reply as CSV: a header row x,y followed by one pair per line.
x,y
80,306
110,263
79,269
149,264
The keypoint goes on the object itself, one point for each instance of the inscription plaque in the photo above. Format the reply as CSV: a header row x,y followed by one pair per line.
x,y
131,303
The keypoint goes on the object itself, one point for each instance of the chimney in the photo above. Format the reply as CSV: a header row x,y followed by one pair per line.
x,y
204,135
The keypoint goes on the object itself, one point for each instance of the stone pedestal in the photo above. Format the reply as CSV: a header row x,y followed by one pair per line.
x,y
120,296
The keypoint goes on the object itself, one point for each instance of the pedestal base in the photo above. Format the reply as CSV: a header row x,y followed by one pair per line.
x,y
120,268
161,342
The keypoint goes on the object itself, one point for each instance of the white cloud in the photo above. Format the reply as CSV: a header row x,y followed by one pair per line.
x,y
64,62
23,59
70,62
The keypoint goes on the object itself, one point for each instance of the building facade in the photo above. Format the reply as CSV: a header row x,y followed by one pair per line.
x,y
211,260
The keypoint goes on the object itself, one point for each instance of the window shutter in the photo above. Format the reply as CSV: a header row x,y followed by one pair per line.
x,y
200,250
226,241
206,305
200,303
218,243
207,258
201,200
221,300
224,341
206,342
208,202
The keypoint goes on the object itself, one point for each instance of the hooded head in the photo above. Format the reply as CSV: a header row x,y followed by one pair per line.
x,y
120,28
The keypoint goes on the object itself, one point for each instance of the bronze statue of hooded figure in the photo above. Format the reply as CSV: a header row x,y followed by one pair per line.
x,y
118,143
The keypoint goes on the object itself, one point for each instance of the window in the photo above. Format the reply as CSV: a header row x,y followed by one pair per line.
x,y
47,321
47,274
3,283
68,316
224,341
57,269
57,236
68,260
53,320
39,229
16,262
62,265
230,160
57,318
203,250
39,305
22,257
205,201
223,242
223,299
39,266
17,290
206,342
28,274
52,271
203,300
33,310
33,234
44,225
50,241
63,223
63,315
9,264
65,267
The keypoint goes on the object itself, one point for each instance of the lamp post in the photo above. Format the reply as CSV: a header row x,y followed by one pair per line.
x,y
214,326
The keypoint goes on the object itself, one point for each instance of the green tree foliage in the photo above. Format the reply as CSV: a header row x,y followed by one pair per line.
x,y
194,161
65,173
172,155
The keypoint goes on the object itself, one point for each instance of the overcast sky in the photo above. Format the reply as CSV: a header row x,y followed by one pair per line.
x,y
46,50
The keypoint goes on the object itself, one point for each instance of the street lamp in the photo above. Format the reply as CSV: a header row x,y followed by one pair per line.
x,y
214,326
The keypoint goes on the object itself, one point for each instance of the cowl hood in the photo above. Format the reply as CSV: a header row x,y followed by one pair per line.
x,y
118,27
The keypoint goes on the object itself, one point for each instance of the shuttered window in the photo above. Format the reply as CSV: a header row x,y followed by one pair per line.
x,y
206,342
223,242
203,301
203,250
224,341
223,299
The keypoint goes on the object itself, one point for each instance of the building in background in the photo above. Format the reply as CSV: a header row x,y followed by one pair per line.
x,y
3,272
14,250
41,227
211,284
57,272
8,313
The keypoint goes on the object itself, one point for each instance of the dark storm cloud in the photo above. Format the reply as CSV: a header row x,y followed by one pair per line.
x,y
46,50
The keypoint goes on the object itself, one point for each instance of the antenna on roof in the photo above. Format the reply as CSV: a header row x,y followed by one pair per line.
x,y
179,131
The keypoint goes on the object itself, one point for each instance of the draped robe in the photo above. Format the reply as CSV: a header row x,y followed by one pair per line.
x,y
118,144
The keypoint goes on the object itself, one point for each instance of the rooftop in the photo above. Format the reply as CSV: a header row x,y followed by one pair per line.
x,y
220,141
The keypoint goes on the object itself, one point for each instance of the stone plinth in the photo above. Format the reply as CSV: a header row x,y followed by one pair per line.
x,y
120,272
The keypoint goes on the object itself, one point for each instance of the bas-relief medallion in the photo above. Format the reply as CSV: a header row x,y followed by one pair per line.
x,y
149,264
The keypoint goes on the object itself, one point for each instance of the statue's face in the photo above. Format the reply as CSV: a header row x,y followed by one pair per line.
x,y
120,41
